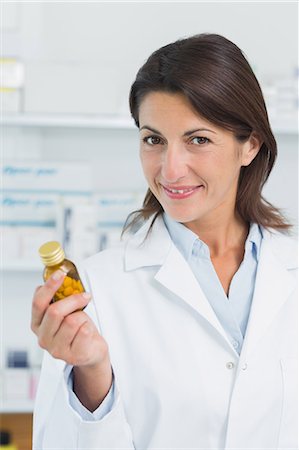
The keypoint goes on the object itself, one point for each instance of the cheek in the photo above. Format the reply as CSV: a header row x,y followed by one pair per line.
x,y
150,164
144,162
209,167
226,162
219,171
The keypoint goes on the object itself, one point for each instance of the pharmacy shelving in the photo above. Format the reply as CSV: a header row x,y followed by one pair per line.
x,y
283,125
67,121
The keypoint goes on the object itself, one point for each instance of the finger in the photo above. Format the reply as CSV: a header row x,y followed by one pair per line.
x,y
60,346
56,313
43,296
88,346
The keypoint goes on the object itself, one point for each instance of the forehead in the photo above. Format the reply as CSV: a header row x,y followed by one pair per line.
x,y
167,111
159,102
159,97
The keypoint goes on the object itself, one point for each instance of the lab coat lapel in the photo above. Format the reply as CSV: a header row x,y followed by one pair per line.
x,y
274,284
148,247
174,272
176,275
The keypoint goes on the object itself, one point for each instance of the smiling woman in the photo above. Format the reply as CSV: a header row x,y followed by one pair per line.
x,y
190,159
212,78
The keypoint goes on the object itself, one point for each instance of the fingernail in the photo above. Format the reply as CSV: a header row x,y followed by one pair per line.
x,y
58,275
86,295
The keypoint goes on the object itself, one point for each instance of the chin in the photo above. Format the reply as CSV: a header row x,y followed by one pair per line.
x,y
182,217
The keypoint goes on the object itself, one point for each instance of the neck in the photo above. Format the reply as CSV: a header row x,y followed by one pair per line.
x,y
222,235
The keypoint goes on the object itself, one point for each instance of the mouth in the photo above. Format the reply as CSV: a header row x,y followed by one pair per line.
x,y
180,192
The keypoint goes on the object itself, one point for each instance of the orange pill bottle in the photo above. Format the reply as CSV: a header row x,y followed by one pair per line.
x,y
53,257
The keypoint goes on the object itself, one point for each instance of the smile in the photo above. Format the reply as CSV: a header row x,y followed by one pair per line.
x,y
181,192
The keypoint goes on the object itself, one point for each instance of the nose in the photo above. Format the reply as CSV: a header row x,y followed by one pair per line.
x,y
174,165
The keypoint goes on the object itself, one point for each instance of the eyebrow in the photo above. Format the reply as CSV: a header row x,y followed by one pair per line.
x,y
187,133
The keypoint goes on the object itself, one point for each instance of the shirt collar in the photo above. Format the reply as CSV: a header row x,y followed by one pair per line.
x,y
188,242
254,240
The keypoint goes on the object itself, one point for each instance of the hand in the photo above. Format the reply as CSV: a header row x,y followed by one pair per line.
x,y
68,333
64,330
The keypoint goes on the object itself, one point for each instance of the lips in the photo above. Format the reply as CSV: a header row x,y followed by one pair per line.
x,y
180,192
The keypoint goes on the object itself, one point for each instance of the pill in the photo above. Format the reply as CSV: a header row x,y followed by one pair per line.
x,y
68,291
67,281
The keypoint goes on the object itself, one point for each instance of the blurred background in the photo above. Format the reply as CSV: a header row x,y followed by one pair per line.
x,y
69,149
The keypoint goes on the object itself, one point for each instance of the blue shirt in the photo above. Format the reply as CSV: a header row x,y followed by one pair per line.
x,y
233,310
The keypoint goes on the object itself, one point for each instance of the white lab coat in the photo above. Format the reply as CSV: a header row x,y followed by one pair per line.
x,y
179,382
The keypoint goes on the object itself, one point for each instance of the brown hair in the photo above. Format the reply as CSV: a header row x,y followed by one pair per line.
x,y
213,74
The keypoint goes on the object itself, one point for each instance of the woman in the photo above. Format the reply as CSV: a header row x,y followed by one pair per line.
x,y
190,339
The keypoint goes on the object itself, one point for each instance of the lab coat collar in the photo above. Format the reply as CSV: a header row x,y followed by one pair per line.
x,y
142,250
148,248
159,250
274,282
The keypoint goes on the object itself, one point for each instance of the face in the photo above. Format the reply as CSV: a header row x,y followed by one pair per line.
x,y
191,165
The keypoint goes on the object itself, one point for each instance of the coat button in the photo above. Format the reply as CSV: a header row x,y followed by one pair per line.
x,y
244,367
230,365
235,344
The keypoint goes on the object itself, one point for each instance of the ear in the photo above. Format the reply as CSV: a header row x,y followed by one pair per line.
x,y
251,148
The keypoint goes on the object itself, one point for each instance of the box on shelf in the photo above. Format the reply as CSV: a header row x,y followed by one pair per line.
x,y
12,73
17,358
11,85
89,228
78,229
44,201
19,377
112,212
18,387
16,384
47,177
35,195
281,97
27,220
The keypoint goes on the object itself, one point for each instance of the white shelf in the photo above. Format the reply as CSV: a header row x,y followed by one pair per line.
x,y
284,125
68,121
21,266
17,406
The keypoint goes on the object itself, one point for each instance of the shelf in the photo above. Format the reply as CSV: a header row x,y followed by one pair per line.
x,y
288,126
17,406
21,266
68,121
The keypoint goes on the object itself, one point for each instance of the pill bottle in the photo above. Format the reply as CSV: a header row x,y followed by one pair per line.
x,y
53,257
5,441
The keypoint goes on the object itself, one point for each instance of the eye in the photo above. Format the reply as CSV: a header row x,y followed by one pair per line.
x,y
152,140
199,140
